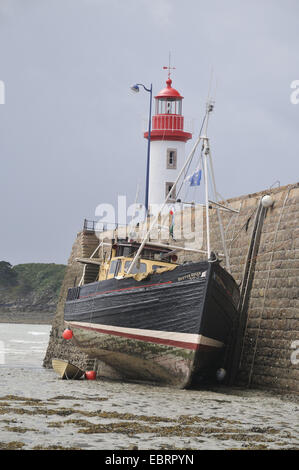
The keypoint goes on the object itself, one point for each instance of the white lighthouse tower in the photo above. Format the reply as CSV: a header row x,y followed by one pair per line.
x,y
168,140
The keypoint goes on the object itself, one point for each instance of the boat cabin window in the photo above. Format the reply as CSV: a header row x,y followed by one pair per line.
x,y
123,250
137,268
148,254
114,267
126,251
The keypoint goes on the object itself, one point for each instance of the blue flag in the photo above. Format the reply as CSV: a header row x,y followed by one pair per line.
x,y
195,178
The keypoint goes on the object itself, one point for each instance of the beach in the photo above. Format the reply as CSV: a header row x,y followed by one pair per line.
x,y
28,318
39,410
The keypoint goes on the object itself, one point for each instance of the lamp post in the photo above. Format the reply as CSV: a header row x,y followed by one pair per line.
x,y
135,88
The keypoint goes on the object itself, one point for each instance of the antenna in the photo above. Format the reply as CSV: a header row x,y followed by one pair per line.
x,y
169,66
210,85
137,193
209,100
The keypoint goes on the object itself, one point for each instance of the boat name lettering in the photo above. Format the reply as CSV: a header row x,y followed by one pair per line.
x,y
195,275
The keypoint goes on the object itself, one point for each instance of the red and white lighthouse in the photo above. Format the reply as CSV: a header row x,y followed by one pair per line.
x,y
168,140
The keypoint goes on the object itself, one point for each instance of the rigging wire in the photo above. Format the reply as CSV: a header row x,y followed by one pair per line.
x,y
187,169
198,166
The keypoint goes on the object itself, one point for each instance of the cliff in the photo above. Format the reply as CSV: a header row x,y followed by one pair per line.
x,y
29,292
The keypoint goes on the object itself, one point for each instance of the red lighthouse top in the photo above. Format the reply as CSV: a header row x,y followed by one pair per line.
x,y
168,121
169,92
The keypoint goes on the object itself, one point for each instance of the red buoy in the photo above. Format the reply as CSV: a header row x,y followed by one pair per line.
x,y
90,375
67,334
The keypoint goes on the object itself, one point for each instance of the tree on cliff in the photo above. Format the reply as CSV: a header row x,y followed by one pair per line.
x,y
8,276
34,285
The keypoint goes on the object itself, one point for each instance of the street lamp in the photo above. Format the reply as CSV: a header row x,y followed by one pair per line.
x,y
135,89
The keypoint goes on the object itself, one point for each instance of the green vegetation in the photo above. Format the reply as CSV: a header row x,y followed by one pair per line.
x,y
39,280
8,276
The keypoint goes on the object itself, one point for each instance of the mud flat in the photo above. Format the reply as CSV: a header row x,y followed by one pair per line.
x,y
38,410
33,318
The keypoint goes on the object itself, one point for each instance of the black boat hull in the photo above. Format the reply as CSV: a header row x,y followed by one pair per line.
x,y
170,328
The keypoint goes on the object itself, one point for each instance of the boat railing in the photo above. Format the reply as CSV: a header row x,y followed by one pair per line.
x,y
98,226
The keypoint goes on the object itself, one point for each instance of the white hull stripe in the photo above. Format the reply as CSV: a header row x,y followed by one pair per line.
x,y
185,340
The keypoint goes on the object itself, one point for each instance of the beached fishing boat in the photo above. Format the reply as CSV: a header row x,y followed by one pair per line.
x,y
151,319
170,327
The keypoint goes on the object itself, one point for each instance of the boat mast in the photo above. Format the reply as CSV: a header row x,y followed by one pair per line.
x,y
205,146
205,139
207,155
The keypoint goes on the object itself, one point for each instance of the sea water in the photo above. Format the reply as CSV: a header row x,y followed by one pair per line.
x,y
23,345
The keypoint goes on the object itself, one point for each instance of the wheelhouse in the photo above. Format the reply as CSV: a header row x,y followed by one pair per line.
x,y
152,258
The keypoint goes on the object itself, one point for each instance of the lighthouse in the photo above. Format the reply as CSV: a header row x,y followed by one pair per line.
x,y
168,139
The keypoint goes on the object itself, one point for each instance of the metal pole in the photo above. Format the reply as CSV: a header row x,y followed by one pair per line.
x,y
148,151
209,109
207,197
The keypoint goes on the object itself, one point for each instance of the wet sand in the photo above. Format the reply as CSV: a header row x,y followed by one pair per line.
x,y
31,318
38,410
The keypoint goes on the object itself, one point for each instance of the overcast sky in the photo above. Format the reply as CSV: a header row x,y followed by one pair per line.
x,y
71,130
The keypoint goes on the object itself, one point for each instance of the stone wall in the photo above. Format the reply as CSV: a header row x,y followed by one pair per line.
x,y
271,320
58,347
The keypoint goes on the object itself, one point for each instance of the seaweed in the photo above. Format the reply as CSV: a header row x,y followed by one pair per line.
x,y
13,445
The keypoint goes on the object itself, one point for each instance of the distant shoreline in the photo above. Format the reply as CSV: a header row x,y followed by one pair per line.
x,y
36,318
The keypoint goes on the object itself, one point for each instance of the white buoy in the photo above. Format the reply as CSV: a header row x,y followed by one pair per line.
x,y
220,374
267,201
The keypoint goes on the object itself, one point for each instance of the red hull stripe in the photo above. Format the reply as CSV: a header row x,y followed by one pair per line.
x,y
125,288
151,339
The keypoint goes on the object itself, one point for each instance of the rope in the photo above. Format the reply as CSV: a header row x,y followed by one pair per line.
x,y
266,289
243,226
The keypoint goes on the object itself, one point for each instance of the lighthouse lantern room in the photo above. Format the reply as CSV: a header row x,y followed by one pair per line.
x,y
168,139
